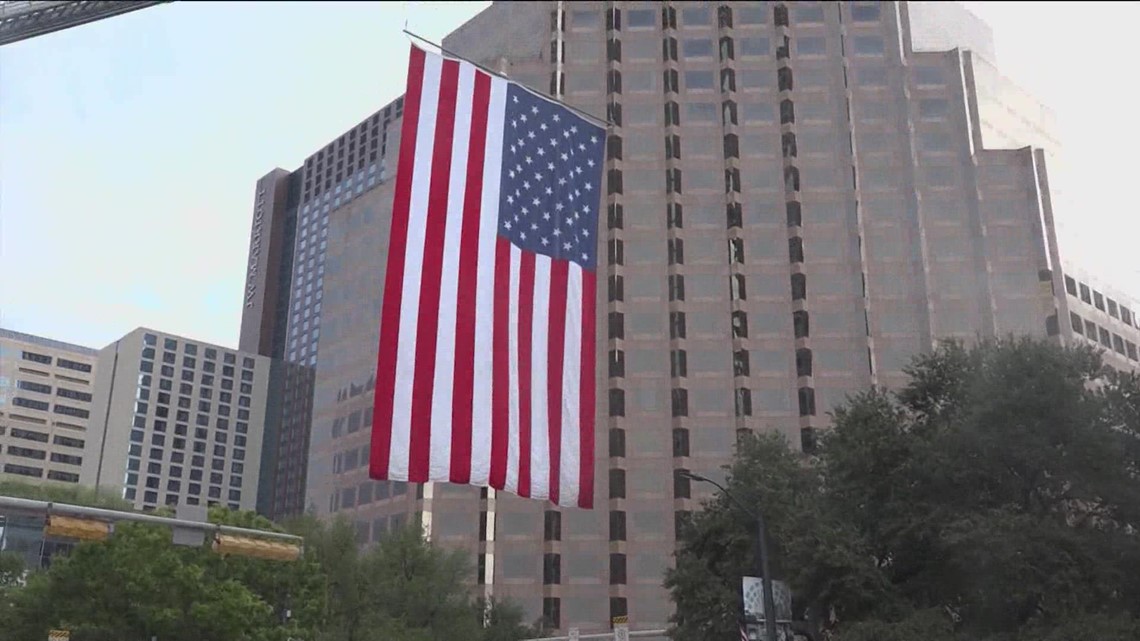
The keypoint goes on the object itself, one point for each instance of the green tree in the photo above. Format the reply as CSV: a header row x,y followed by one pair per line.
x,y
992,497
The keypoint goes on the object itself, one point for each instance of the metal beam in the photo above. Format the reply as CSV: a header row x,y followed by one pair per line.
x,y
23,19
114,516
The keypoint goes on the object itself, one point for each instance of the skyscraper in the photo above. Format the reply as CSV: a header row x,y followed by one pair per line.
x,y
798,199
281,315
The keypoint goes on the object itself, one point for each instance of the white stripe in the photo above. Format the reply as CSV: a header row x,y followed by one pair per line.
x,y
512,481
539,367
485,288
413,264
439,467
570,459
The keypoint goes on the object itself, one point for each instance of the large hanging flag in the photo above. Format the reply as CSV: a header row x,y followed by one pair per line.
x,y
487,335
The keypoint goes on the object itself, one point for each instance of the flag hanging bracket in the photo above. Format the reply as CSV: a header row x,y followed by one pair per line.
x,y
585,114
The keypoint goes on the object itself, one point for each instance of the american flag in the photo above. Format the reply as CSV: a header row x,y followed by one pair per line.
x,y
487,335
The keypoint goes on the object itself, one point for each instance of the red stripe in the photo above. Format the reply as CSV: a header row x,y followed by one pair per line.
x,y
463,387
556,339
432,272
526,323
587,390
500,365
394,276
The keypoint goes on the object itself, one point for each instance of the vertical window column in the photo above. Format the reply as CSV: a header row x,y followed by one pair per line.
x,y
785,77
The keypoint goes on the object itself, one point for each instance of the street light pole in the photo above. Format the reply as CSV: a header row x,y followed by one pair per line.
x,y
761,549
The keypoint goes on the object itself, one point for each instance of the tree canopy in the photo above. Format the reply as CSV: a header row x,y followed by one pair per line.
x,y
993,498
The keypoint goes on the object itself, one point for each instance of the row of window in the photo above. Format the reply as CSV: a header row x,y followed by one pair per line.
x,y
40,455
1105,304
41,388
150,498
38,472
185,388
199,446
147,366
41,437
749,14
197,460
1110,340
43,406
65,363
191,349
367,493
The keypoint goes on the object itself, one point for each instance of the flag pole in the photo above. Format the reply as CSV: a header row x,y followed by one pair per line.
x,y
585,114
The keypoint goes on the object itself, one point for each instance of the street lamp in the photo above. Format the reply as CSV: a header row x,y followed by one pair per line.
x,y
762,548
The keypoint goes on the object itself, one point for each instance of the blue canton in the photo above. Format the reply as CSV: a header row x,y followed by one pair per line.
x,y
552,179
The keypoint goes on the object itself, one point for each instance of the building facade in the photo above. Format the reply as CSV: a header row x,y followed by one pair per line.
x,y
177,422
1101,317
800,197
46,389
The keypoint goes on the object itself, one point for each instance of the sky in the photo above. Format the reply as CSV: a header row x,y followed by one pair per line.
x,y
129,148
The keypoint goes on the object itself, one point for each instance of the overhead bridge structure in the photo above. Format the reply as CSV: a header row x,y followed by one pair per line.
x,y
20,19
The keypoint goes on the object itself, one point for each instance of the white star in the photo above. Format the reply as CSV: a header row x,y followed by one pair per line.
x,y
594,139
569,222
590,162
566,246
557,206
565,157
574,129
577,169
553,142
565,134
584,257
534,110
585,209
541,151
522,235
511,173
555,117
557,231
586,232
529,161
537,176
542,126
545,242
510,200
516,98
518,167
534,226
530,134
524,210
522,117
536,202
550,166
582,146
515,123
549,191
546,215
526,184
507,225
521,142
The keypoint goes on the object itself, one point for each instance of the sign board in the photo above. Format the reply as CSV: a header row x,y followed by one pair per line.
x,y
59,635
621,628
753,590
574,634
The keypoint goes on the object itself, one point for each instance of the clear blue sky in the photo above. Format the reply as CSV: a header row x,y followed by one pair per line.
x,y
129,148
